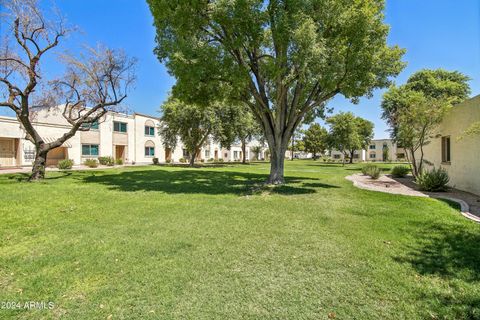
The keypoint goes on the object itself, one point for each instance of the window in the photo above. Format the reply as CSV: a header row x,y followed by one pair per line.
x,y
236,154
89,149
149,151
185,153
372,147
385,146
149,131
355,156
93,126
336,156
207,154
373,155
400,155
446,149
119,126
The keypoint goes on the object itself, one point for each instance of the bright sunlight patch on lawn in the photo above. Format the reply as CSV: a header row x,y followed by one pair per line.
x,y
212,243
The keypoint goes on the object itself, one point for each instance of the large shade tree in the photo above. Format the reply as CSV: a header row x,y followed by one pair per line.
x,y
349,133
315,140
240,126
415,109
283,59
194,125
94,83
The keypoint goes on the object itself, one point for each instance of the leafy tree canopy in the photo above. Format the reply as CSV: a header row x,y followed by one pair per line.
x,y
315,139
282,58
193,124
348,132
415,109
440,83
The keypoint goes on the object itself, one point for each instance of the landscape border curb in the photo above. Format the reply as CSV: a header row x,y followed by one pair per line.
x,y
464,207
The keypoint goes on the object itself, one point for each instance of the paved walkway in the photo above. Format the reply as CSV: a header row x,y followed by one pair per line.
x,y
469,203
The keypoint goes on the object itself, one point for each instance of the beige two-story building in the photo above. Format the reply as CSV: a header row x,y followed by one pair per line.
x,y
131,138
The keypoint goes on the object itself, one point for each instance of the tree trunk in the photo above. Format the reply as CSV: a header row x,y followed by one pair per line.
x,y
38,169
351,156
413,163
193,154
277,165
244,154
420,164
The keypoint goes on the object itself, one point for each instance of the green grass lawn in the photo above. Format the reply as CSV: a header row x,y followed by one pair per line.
x,y
211,243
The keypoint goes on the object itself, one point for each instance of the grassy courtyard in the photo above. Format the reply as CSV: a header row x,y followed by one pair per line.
x,y
212,243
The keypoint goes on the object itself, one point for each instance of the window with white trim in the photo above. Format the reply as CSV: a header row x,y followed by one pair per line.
x,y
90,150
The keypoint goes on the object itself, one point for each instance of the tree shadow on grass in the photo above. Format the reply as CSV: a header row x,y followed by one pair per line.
x,y
447,251
200,182
24,176
452,253
325,164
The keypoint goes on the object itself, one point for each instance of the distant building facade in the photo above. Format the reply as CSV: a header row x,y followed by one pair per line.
x,y
132,138
377,150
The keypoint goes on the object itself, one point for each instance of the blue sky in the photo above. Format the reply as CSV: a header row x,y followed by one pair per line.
x,y
436,34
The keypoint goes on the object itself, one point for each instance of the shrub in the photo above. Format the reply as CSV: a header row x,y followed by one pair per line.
x,y
65,164
182,160
220,160
202,160
374,172
366,168
106,161
400,171
155,160
434,180
371,170
168,161
211,160
119,161
92,163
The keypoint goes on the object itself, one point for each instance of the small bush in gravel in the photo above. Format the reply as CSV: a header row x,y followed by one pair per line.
x,y
182,160
434,180
371,170
374,172
400,171
119,161
366,168
155,161
92,163
65,164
